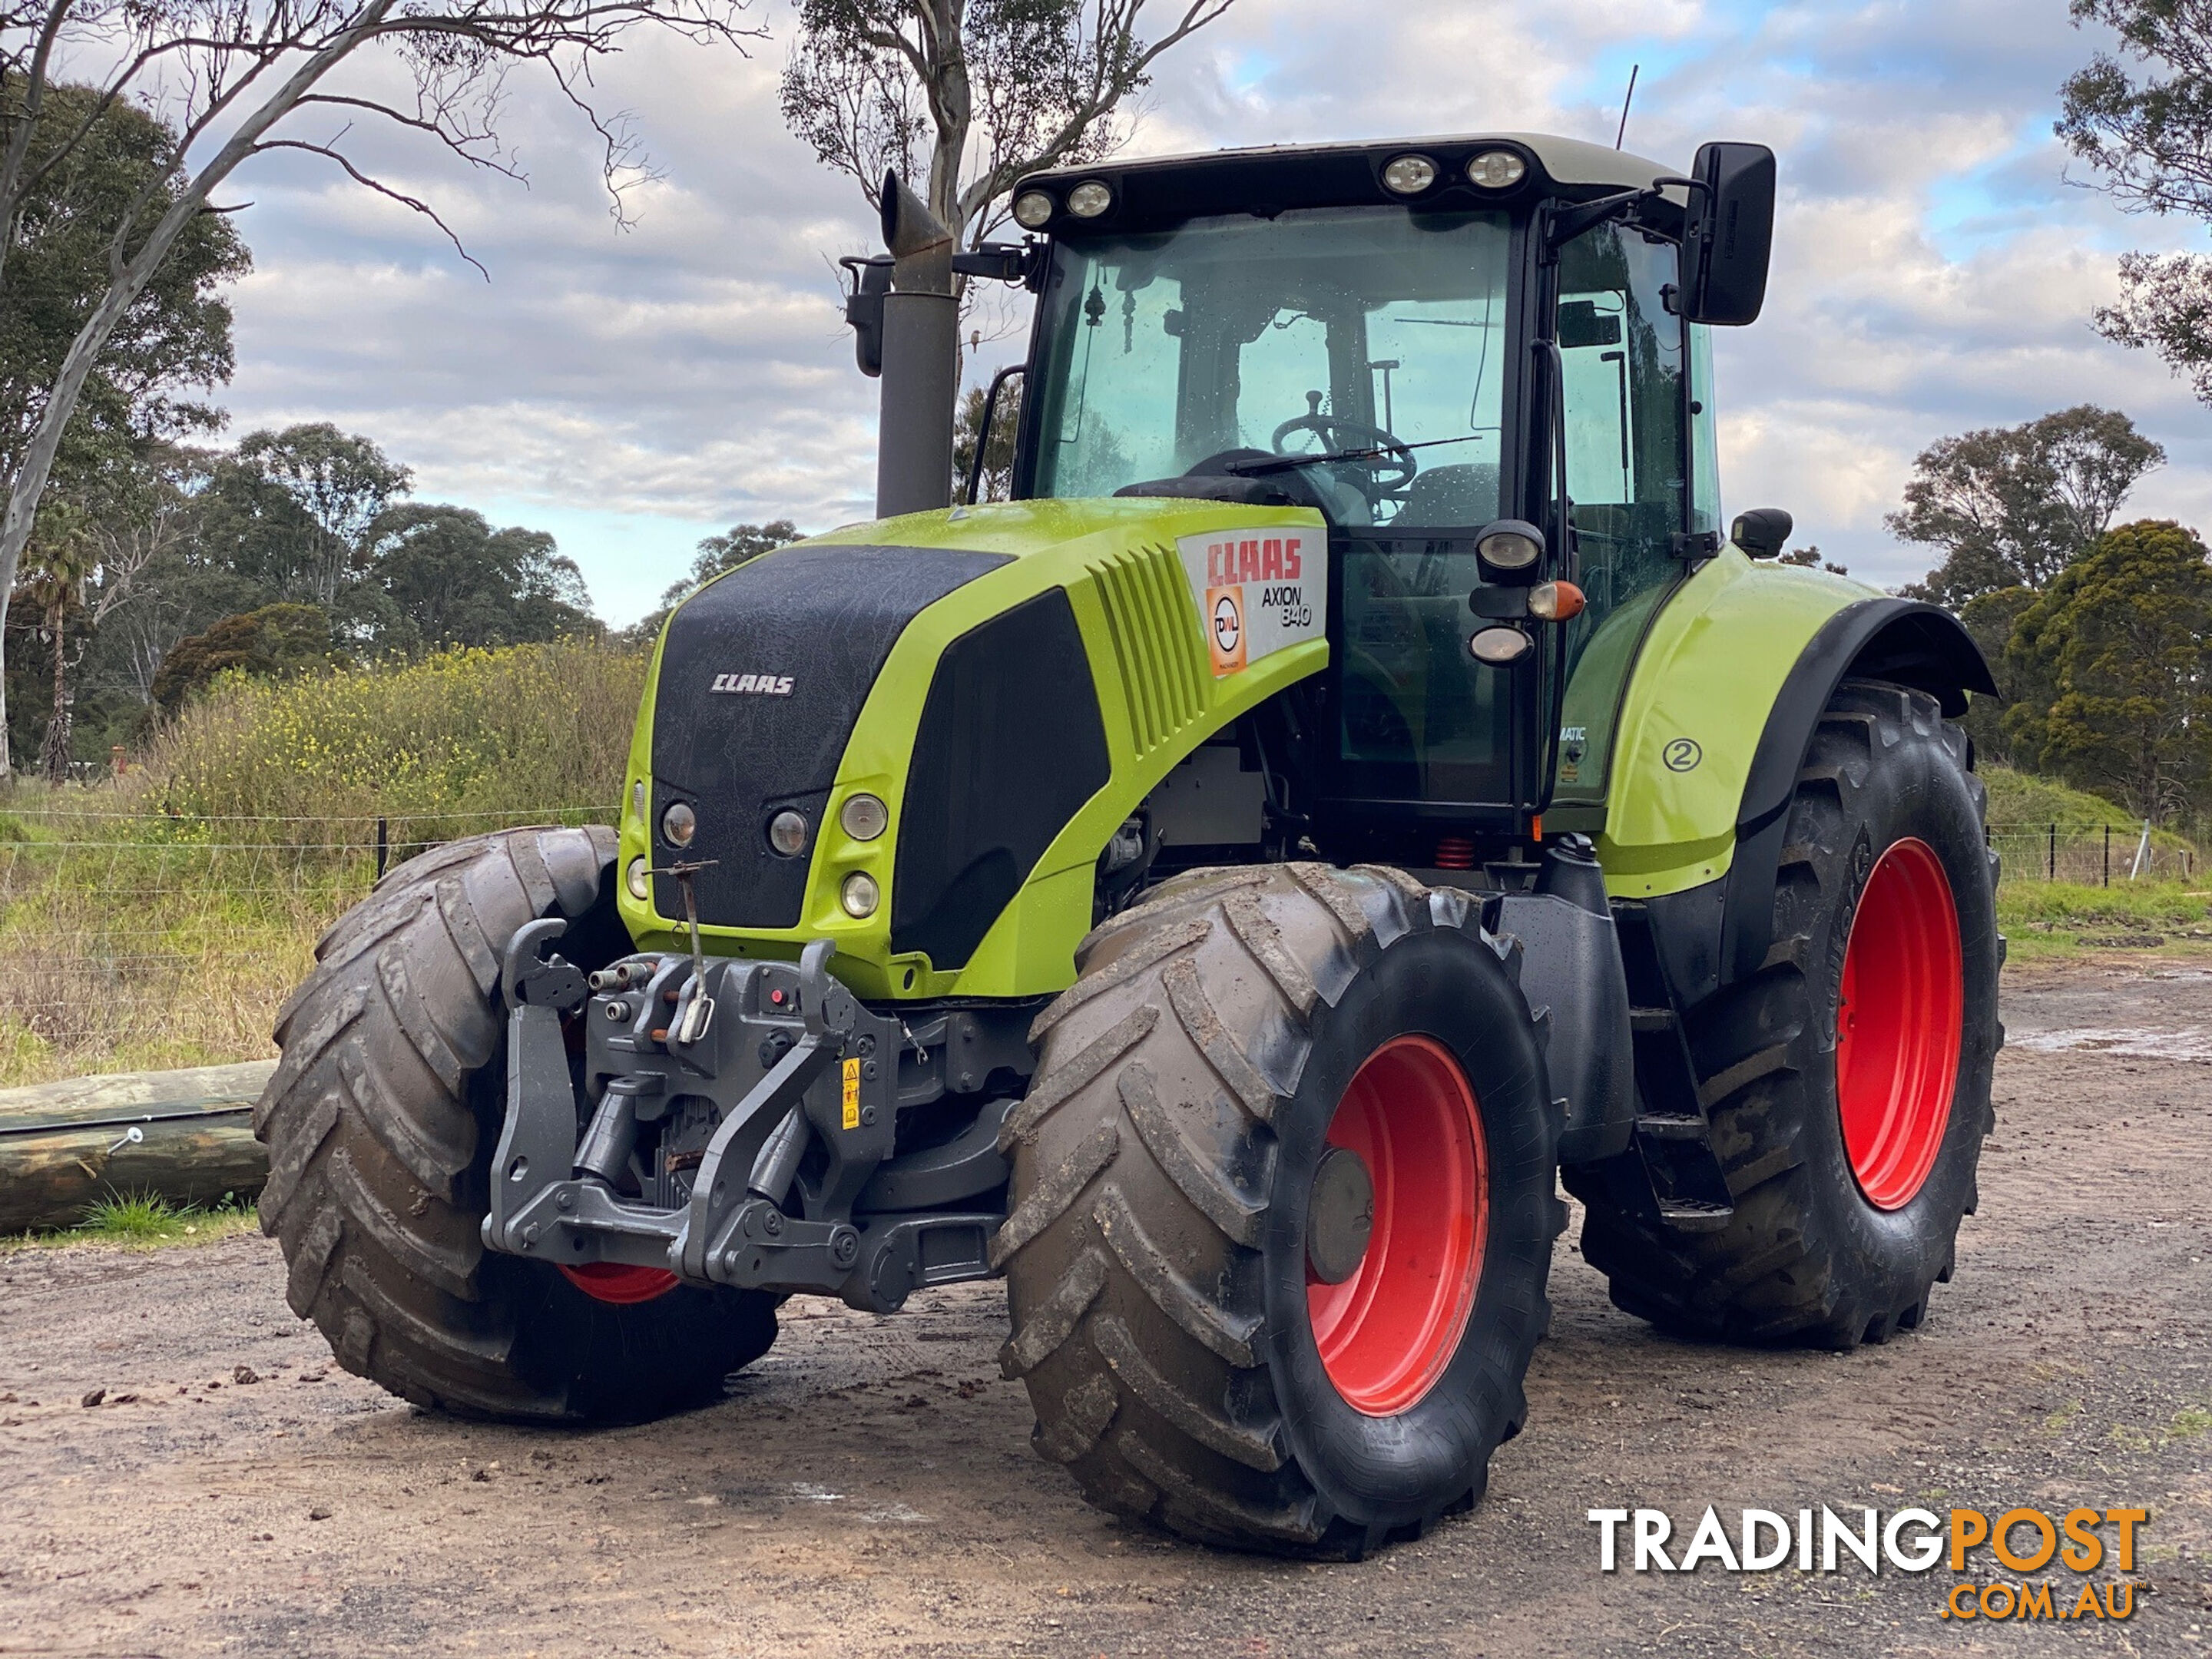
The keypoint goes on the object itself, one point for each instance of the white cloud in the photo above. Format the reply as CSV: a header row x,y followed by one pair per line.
x,y
632,391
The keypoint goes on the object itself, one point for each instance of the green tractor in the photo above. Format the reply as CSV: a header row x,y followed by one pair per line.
x,y
1353,786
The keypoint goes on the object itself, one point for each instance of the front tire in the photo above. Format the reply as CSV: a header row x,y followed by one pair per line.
x,y
380,1122
1185,1360
1850,1076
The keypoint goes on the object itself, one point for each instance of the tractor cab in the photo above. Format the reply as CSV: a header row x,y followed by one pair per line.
x,y
1408,339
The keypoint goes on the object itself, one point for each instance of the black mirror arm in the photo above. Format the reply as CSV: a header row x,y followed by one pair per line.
x,y
1567,223
983,429
1002,262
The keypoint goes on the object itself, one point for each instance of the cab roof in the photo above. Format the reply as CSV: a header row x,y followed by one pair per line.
x,y
1165,190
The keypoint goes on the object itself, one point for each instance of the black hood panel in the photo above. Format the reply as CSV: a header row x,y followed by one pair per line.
x,y
763,675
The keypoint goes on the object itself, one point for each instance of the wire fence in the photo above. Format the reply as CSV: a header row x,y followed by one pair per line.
x,y
2101,855
134,939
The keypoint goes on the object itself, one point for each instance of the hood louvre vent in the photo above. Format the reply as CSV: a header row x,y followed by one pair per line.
x,y
1157,645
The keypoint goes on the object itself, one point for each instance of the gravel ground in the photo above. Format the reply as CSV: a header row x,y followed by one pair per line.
x,y
868,1487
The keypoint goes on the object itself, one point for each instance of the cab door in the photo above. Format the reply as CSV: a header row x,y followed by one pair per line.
x,y
1639,476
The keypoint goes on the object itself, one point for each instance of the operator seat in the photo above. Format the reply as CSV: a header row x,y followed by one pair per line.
x,y
1462,494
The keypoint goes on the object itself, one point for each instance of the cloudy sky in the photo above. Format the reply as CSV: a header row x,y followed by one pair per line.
x,y
632,392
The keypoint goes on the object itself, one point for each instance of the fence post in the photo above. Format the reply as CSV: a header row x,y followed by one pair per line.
x,y
2051,870
383,847
2108,855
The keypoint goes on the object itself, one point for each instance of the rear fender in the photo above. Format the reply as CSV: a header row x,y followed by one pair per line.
x,y
1899,640
1703,778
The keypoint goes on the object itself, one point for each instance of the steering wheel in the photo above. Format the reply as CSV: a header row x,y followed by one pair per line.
x,y
1387,474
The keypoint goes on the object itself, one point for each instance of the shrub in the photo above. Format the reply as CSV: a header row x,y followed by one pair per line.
x,y
457,742
276,641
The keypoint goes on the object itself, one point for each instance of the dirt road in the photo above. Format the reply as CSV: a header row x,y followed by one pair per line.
x,y
868,1487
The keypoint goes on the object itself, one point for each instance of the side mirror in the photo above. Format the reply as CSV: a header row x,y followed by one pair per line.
x,y
1763,532
1729,239
864,310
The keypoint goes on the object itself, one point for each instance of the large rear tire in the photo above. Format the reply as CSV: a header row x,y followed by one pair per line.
x,y
380,1122
1185,1360
1852,1073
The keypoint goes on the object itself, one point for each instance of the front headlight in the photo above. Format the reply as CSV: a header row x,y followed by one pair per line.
x,y
860,896
864,817
1409,175
1496,169
1510,545
1500,647
787,833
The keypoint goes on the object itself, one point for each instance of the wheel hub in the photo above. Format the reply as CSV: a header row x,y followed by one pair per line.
x,y
1340,1216
1406,1151
620,1283
1900,1013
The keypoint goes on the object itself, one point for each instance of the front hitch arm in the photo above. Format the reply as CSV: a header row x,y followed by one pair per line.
x,y
720,1192
534,1148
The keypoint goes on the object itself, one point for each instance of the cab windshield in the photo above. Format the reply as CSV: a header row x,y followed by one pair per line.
x,y
1239,339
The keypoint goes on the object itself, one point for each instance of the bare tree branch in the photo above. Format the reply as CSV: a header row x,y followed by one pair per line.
x,y
1001,88
369,181
227,77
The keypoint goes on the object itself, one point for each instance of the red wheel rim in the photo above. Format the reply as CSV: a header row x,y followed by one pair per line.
x,y
620,1282
1387,1332
1898,1025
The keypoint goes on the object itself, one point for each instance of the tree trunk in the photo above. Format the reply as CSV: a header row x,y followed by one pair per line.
x,y
951,109
54,756
65,1146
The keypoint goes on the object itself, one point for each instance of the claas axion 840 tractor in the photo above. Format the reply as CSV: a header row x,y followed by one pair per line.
x,y
1353,786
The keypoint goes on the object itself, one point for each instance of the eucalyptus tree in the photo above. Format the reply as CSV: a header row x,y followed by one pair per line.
x,y
234,80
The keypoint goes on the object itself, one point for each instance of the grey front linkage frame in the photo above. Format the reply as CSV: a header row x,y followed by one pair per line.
x,y
772,1129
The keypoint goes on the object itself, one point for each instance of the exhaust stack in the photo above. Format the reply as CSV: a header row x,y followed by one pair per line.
x,y
920,347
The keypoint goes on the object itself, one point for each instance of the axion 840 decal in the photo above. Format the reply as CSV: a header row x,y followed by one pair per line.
x,y
1257,591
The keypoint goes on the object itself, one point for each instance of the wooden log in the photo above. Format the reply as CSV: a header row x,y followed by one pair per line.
x,y
187,1135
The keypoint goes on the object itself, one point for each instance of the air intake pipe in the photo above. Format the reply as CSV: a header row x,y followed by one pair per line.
x,y
920,349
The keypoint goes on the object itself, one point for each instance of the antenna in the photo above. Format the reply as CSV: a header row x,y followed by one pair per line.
x,y
1627,104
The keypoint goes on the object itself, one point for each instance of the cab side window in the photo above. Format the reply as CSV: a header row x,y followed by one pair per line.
x,y
1626,356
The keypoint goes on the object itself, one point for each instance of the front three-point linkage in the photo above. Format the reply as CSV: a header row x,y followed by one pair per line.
x,y
800,1081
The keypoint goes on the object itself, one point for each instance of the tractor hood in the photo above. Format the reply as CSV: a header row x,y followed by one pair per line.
x,y
1009,681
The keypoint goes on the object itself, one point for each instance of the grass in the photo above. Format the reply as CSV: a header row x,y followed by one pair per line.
x,y
159,920
2187,1423
2048,920
145,1221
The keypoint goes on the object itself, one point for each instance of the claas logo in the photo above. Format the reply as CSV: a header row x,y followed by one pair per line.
x,y
759,685
1254,559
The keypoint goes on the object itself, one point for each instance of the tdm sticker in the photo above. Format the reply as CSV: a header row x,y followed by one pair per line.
x,y
1257,591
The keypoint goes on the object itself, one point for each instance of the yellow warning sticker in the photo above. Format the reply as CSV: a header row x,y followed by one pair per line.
x,y
852,1094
